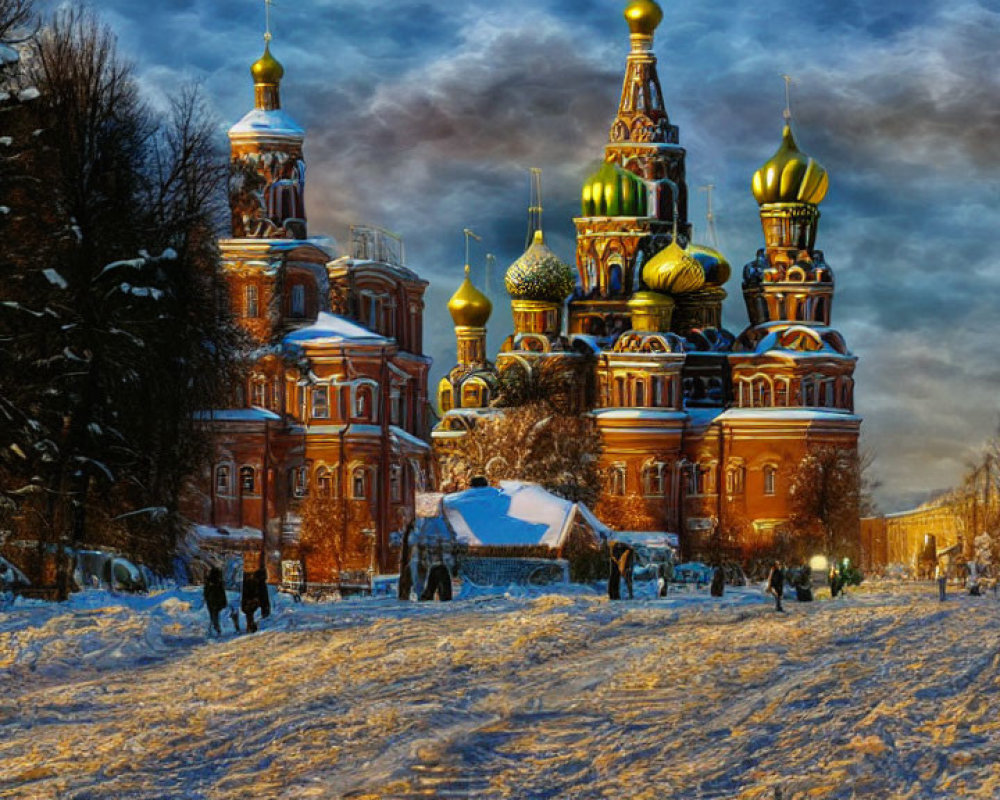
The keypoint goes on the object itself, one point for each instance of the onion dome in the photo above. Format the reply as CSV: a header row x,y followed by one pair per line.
x,y
469,307
643,16
717,269
267,69
614,192
540,274
790,176
673,270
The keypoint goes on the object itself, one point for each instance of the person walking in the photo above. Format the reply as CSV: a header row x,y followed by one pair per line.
x,y
718,587
622,566
834,581
614,574
263,593
250,599
215,597
941,576
776,584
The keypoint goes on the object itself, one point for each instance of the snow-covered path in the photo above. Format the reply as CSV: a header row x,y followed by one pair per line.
x,y
885,694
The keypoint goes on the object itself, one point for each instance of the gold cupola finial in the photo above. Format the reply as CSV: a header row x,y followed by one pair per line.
x,y
267,71
469,307
643,17
790,176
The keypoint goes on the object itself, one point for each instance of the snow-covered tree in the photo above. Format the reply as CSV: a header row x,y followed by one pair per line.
x,y
529,443
109,321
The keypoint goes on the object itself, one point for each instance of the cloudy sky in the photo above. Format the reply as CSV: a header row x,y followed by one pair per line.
x,y
424,117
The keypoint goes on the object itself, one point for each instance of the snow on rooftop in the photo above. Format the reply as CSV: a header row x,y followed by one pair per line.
x,y
790,414
333,327
518,514
260,120
254,414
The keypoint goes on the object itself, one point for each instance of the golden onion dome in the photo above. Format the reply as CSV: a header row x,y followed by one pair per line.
x,y
267,69
643,300
673,270
540,274
469,307
790,176
614,192
717,269
643,16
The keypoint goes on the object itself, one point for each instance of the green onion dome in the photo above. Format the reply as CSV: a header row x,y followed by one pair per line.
x,y
614,192
717,269
674,271
540,275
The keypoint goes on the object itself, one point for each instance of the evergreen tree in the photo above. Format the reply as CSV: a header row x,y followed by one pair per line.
x,y
110,324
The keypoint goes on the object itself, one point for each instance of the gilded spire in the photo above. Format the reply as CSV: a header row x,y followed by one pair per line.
x,y
267,71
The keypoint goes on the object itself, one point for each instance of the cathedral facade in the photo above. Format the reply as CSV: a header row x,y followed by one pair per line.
x,y
702,431
333,409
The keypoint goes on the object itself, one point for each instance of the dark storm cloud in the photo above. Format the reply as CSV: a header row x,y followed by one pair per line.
x,y
425,116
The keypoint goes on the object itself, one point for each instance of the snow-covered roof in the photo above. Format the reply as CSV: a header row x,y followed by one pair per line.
x,y
516,514
274,122
409,438
334,328
790,414
211,532
660,414
254,414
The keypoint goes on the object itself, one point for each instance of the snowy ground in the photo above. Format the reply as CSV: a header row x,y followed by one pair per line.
x,y
883,694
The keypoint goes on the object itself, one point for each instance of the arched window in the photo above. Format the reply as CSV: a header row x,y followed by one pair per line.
x,y
359,483
762,393
444,400
321,402
258,392
298,303
618,480
471,395
395,483
223,477
770,473
248,480
781,392
363,405
653,483
297,482
640,393
735,479
325,482
251,303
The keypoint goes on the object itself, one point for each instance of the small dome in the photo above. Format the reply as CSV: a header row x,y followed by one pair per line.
x,y
642,300
717,269
643,16
469,307
267,69
540,275
673,270
790,176
614,192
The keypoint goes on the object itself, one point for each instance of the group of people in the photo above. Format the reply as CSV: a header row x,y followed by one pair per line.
x,y
254,597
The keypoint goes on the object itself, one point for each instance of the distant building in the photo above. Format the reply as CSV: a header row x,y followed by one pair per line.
x,y
703,429
335,404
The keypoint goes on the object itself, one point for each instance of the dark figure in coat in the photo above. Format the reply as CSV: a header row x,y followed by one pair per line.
x,y
718,587
776,584
834,582
622,566
250,599
405,574
264,597
215,597
438,580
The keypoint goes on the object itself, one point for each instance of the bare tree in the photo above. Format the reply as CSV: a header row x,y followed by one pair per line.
x,y
826,504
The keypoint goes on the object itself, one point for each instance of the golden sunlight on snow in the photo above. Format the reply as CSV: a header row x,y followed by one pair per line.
x,y
888,694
